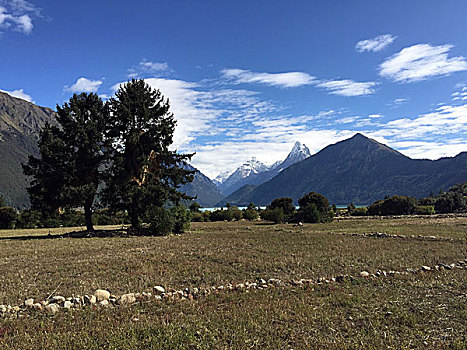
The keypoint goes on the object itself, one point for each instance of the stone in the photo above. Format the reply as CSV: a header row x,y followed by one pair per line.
x,y
37,306
3,309
158,297
67,305
57,299
29,302
127,299
364,274
102,294
159,289
275,281
52,308
90,300
261,281
104,303
426,268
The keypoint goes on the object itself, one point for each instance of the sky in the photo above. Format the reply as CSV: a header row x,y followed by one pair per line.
x,y
248,78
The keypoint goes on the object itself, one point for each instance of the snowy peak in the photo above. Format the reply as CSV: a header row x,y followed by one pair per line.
x,y
252,166
299,150
221,177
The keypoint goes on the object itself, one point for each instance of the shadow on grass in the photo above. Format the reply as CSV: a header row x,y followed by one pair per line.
x,y
87,234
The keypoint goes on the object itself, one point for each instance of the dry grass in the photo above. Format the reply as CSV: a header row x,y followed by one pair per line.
x,y
425,308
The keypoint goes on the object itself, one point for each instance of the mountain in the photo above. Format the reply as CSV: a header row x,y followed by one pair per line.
x,y
221,177
20,123
236,197
361,170
238,178
297,154
206,191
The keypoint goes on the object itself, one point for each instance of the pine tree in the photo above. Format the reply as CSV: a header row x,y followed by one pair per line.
x,y
67,174
144,173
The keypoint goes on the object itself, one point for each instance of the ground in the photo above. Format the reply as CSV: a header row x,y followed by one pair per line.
x,y
414,310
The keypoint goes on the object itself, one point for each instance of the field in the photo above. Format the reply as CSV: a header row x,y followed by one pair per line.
x,y
401,310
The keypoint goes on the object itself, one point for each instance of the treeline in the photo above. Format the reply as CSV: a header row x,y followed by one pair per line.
x,y
452,201
313,208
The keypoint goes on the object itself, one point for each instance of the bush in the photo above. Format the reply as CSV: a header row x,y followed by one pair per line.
x,y
161,221
194,207
284,203
181,217
395,205
450,202
314,208
221,215
424,210
197,217
274,215
250,214
363,211
72,218
29,219
236,213
8,217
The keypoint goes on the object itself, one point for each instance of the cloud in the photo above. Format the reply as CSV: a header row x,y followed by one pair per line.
x,y
19,94
18,15
375,44
283,80
84,85
148,67
420,62
348,87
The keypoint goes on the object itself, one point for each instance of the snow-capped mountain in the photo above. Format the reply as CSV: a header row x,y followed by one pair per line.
x,y
253,172
221,177
249,168
298,153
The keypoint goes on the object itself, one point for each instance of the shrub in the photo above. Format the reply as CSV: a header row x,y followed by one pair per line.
x,y
314,208
161,220
450,202
221,215
274,215
28,219
197,217
250,214
194,207
181,217
8,217
284,203
362,211
425,210
72,218
236,213
395,205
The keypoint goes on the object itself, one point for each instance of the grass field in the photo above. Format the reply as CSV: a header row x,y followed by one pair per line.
x,y
423,310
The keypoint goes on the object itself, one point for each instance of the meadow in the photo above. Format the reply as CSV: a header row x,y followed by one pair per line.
x,y
405,310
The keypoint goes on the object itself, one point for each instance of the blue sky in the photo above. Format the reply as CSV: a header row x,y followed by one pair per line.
x,y
249,78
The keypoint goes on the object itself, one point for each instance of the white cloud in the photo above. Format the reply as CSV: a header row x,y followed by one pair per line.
x,y
17,15
148,67
348,87
419,62
84,85
375,44
19,94
284,80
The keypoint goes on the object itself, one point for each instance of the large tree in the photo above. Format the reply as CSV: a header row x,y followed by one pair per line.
x,y
144,173
72,153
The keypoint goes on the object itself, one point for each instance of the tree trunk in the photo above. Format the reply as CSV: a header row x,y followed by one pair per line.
x,y
88,216
133,213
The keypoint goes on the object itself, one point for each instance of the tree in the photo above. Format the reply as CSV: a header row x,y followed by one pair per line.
x,y
8,217
143,172
67,174
284,203
2,202
314,207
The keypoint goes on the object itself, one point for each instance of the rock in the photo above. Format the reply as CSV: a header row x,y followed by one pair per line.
x,y
127,299
29,302
37,306
426,268
261,281
101,295
104,302
52,308
364,274
67,305
57,299
3,309
158,297
159,289
90,300
275,281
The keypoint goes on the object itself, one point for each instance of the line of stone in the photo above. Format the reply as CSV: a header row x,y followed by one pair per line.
x,y
387,235
103,298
